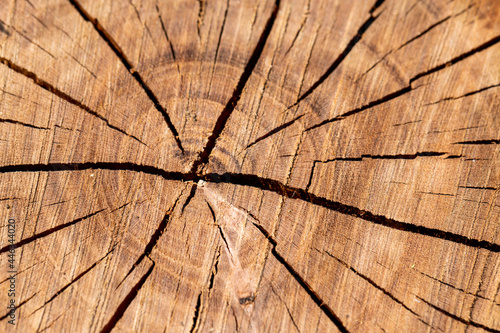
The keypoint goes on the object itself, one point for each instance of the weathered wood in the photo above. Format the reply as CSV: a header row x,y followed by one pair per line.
x,y
194,165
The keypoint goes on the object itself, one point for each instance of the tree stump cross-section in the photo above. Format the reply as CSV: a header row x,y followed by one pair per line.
x,y
255,166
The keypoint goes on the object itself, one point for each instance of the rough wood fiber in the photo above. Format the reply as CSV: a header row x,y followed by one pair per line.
x,y
199,166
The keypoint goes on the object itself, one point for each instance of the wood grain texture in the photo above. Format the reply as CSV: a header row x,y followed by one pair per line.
x,y
254,166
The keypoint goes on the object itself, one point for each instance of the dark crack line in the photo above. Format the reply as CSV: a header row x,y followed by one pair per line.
x,y
48,232
201,15
478,142
162,226
398,93
197,312
385,157
300,194
191,195
58,167
302,24
465,95
120,311
454,287
267,185
370,105
286,307
47,86
411,40
220,124
10,121
371,282
78,277
168,40
17,307
479,188
274,131
352,43
32,42
121,55
314,296
463,321
459,58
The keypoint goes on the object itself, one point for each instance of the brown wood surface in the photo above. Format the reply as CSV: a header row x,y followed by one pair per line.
x,y
251,165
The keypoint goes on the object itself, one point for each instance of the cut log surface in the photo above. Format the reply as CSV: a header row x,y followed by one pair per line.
x,y
250,165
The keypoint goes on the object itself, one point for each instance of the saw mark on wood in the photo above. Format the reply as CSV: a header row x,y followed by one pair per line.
x,y
121,55
49,231
120,311
47,86
204,155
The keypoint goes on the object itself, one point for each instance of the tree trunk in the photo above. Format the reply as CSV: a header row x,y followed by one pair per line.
x,y
199,166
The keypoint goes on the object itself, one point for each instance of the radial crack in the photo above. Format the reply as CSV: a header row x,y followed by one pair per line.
x,y
78,277
409,88
414,38
168,40
464,95
371,282
300,194
478,142
56,167
268,185
121,55
197,311
48,232
352,43
120,311
287,309
152,241
314,296
463,321
10,121
18,306
274,131
370,105
204,155
47,86
386,157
